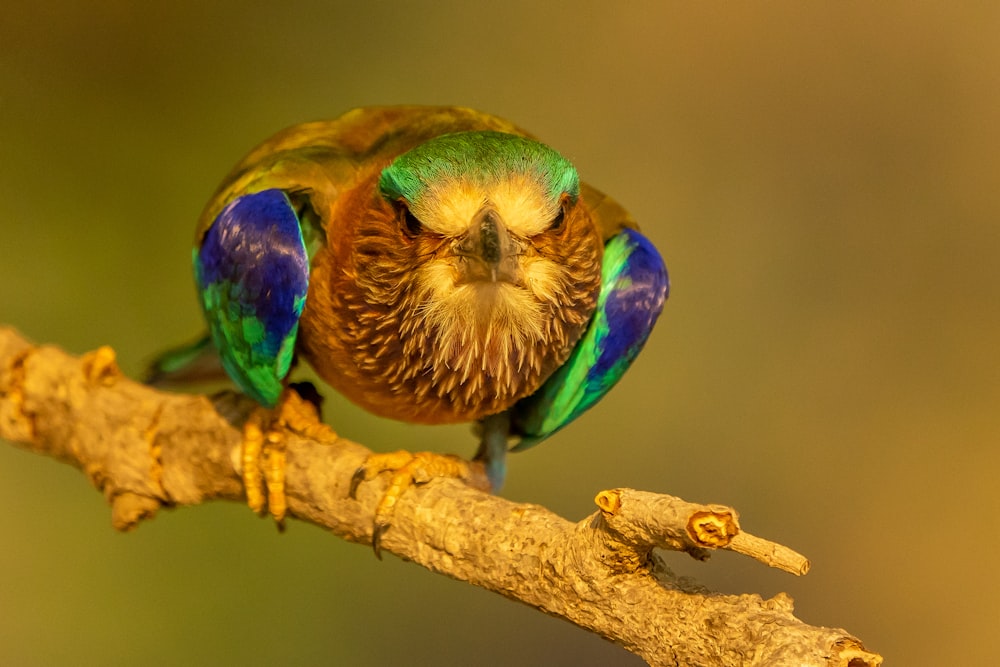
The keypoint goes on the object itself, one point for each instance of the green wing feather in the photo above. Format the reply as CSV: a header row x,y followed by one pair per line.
x,y
634,286
253,275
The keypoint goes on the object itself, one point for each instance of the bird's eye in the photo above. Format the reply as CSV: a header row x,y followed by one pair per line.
x,y
557,222
409,222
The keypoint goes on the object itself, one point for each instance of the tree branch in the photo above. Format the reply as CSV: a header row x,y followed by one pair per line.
x,y
146,449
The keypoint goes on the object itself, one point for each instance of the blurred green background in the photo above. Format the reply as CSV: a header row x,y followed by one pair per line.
x,y
821,178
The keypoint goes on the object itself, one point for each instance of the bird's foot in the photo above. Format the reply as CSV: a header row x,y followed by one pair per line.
x,y
263,454
408,469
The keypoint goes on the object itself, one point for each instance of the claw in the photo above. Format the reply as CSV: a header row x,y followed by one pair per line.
x,y
356,479
410,468
263,454
377,532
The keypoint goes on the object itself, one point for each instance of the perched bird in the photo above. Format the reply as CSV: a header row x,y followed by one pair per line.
x,y
432,264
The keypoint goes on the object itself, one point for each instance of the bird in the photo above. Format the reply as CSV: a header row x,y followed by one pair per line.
x,y
434,265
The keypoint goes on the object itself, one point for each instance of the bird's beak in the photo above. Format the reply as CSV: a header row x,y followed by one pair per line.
x,y
488,252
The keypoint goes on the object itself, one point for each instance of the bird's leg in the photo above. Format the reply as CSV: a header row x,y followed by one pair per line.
x,y
493,448
485,472
263,454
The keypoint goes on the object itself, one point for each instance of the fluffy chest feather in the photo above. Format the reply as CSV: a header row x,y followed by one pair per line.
x,y
395,322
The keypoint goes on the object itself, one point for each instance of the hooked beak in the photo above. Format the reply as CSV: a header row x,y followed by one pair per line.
x,y
487,251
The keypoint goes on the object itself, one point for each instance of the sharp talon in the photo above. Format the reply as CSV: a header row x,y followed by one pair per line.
x,y
356,479
377,532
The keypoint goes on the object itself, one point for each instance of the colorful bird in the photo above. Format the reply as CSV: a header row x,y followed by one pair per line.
x,y
434,265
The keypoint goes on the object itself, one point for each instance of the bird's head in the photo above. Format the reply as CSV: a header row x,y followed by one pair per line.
x,y
486,255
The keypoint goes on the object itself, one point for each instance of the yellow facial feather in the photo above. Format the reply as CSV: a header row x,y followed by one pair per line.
x,y
450,207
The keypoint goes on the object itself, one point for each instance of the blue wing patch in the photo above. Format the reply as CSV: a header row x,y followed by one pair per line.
x,y
634,285
252,273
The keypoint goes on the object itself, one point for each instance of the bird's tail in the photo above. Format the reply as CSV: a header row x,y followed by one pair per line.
x,y
187,364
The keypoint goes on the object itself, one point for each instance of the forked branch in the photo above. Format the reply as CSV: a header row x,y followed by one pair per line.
x,y
146,449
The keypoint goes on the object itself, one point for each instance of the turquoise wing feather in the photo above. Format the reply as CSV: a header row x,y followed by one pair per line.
x,y
252,273
634,286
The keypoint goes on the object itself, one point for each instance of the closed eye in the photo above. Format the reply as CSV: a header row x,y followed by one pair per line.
x,y
410,223
557,222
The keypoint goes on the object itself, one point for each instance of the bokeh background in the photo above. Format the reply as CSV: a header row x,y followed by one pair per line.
x,y
821,178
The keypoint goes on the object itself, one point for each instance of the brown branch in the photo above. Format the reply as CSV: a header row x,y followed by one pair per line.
x,y
146,449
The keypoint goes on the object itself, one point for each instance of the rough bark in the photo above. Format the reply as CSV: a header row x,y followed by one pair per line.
x,y
146,449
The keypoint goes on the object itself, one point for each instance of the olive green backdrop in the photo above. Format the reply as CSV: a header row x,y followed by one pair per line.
x,y
820,177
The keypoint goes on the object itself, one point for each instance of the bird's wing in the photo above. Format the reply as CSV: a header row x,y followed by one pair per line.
x,y
609,216
634,285
252,274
